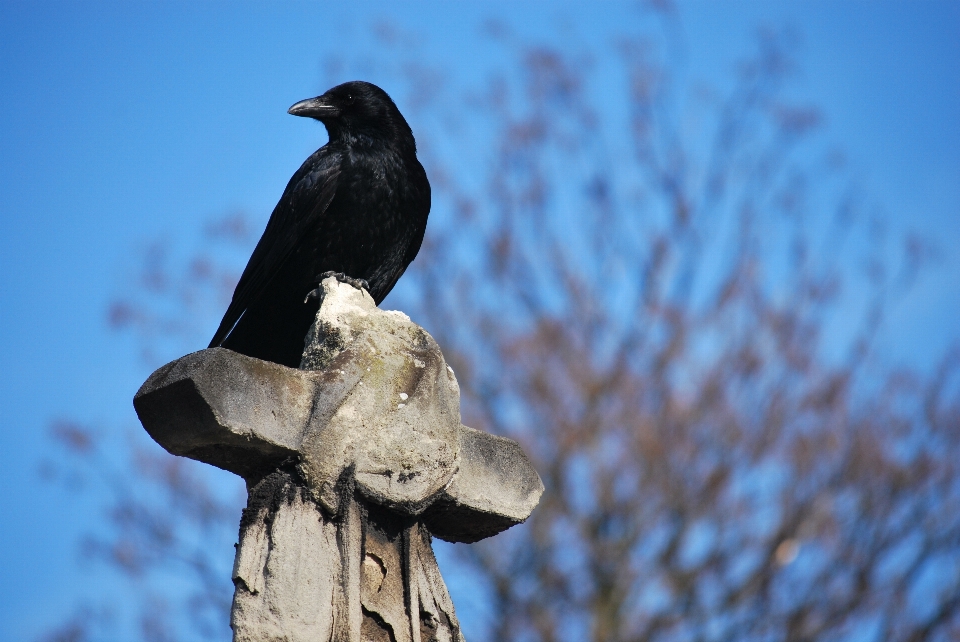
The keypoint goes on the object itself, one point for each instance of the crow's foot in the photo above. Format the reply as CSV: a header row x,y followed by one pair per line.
x,y
360,284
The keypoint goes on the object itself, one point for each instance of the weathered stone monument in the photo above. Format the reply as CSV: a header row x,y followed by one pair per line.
x,y
352,463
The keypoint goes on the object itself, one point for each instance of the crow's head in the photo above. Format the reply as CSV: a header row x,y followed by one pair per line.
x,y
357,111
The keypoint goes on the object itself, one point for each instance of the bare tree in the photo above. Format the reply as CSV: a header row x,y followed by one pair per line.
x,y
657,322
673,303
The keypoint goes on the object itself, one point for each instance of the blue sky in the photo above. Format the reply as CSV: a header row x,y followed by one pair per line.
x,y
123,121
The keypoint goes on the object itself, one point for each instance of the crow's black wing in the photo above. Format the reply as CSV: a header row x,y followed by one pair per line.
x,y
304,201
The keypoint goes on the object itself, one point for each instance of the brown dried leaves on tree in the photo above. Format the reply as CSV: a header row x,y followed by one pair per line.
x,y
683,338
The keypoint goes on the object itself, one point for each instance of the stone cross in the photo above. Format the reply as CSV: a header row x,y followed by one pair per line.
x,y
352,463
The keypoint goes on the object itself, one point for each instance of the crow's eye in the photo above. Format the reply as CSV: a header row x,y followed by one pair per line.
x,y
349,99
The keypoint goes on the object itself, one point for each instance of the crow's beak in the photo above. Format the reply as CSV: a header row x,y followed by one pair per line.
x,y
317,108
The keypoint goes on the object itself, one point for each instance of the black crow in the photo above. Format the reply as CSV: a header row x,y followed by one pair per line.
x,y
357,206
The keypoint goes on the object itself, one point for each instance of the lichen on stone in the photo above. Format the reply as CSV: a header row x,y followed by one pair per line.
x,y
323,343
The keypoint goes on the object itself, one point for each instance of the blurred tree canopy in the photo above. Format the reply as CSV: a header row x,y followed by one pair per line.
x,y
671,298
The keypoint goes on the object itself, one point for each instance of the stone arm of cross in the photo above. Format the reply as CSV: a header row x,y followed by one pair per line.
x,y
248,416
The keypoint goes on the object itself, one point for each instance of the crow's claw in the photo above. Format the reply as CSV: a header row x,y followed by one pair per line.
x,y
360,284
314,294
